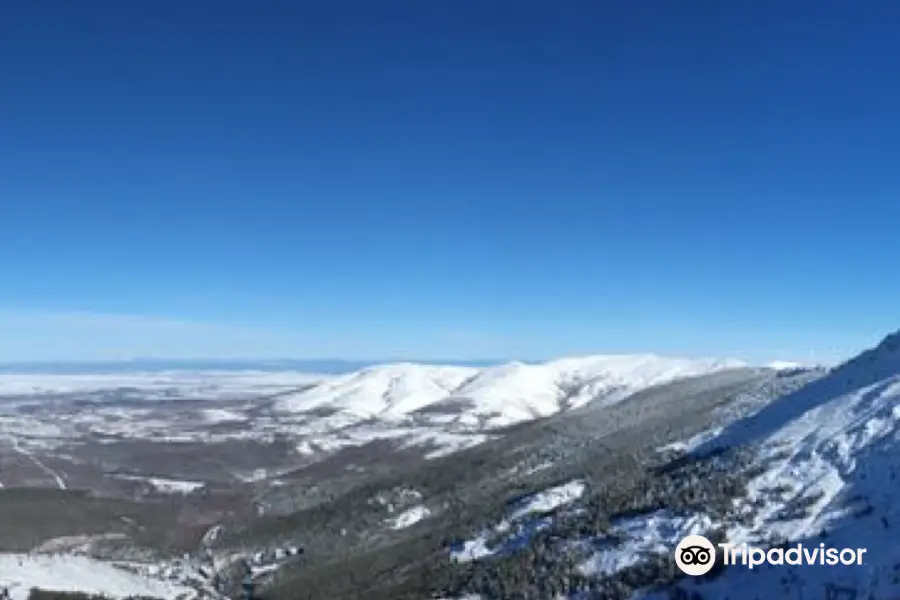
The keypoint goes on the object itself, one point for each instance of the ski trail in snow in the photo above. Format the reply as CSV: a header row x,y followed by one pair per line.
x,y
60,482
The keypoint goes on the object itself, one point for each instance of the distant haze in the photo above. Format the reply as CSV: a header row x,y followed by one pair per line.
x,y
324,366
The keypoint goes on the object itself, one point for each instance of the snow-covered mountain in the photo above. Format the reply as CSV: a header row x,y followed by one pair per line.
x,y
494,396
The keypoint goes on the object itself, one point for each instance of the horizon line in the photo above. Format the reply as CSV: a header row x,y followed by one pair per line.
x,y
375,361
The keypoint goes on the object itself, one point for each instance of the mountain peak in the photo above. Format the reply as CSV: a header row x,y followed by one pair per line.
x,y
874,364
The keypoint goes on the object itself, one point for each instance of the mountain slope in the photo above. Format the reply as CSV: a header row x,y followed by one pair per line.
x,y
494,396
832,450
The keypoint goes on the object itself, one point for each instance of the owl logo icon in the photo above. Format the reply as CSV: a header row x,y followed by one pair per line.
x,y
695,555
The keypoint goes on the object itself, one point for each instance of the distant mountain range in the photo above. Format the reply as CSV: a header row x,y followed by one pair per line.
x,y
325,366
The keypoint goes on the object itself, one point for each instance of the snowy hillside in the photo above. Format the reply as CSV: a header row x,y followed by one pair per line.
x,y
21,572
493,396
832,450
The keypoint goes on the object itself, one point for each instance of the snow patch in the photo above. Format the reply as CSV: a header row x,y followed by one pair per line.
x,y
65,573
166,486
410,517
645,535
516,532
218,415
549,499
785,365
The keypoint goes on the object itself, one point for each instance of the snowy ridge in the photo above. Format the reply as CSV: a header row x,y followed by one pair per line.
x,y
786,365
388,390
840,387
494,396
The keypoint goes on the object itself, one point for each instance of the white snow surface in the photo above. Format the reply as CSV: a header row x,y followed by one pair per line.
x,y
473,549
387,390
498,395
786,365
218,415
410,517
21,572
166,486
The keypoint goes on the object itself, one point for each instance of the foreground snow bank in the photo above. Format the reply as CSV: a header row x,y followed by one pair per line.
x,y
66,573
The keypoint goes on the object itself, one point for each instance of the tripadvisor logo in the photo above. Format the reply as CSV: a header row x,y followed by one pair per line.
x,y
695,555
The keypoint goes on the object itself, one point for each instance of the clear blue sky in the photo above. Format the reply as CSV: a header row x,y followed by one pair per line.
x,y
459,179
